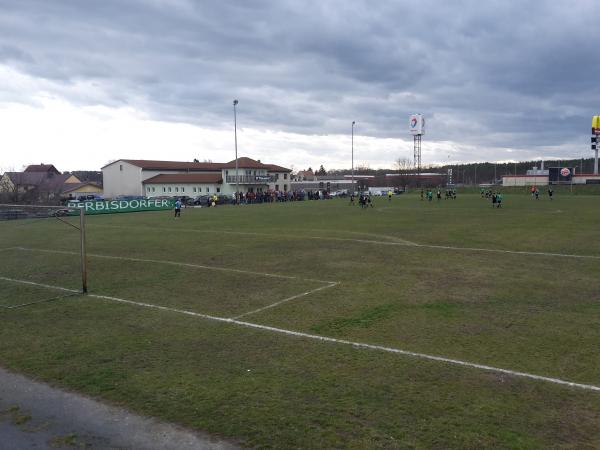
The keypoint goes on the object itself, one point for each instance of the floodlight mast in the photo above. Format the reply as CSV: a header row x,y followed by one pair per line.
x,y
352,182
237,177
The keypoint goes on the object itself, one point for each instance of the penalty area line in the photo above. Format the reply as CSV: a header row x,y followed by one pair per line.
x,y
285,300
178,263
424,356
363,345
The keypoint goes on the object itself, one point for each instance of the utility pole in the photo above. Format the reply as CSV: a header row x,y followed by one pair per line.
x,y
237,176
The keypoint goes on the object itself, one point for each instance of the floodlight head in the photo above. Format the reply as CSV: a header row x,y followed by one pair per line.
x,y
353,122
235,102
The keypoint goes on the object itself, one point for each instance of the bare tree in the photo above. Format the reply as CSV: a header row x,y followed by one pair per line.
x,y
9,191
404,167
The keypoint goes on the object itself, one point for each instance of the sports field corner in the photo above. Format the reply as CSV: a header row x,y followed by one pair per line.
x,y
319,325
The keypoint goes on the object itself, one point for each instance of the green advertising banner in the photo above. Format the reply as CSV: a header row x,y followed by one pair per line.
x,y
122,206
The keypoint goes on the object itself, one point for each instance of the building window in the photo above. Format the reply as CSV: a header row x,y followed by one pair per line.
x,y
285,187
148,189
153,190
276,187
218,189
207,189
226,172
248,172
277,177
182,189
176,189
164,189
169,188
194,188
121,167
285,176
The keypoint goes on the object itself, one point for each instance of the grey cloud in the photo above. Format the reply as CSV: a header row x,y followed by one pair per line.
x,y
495,74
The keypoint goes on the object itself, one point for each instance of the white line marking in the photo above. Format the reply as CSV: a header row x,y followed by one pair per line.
x,y
589,387
328,284
39,284
8,248
293,297
364,241
513,252
177,263
384,236
362,345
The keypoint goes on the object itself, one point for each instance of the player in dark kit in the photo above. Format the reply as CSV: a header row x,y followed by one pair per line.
x,y
550,193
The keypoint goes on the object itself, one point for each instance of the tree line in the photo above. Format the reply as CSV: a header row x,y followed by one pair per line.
x,y
467,173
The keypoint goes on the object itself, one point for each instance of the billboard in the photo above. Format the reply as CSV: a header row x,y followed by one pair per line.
x,y
416,124
596,125
121,206
558,175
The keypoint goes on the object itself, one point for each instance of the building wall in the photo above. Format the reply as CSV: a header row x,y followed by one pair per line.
x,y
282,181
72,179
180,189
84,190
541,180
524,180
122,178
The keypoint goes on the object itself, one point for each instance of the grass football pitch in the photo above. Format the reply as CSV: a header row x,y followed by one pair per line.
x,y
444,324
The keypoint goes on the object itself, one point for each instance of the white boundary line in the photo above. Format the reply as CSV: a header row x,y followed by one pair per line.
x,y
457,362
293,297
364,241
70,291
32,283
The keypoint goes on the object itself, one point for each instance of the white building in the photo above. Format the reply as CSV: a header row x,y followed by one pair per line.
x,y
173,178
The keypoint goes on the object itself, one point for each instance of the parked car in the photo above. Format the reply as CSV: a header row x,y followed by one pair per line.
x,y
130,197
184,199
93,197
200,200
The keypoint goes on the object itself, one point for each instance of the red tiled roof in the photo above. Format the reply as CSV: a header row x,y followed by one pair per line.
x,y
45,181
42,168
245,163
172,165
69,187
185,178
276,168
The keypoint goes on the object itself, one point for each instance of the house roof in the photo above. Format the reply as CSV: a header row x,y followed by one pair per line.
x,y
172,165
185,178
245,163
70,187
45,168
276,168
43,180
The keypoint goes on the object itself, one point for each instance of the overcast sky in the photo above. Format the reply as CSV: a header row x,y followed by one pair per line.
x,y
86,82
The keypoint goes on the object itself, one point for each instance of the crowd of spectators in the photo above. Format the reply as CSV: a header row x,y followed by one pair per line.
x,y
278,196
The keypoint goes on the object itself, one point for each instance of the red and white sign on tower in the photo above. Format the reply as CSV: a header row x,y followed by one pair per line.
x,y
416,124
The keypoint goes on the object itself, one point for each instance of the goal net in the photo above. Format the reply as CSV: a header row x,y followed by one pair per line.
x,y
42,254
